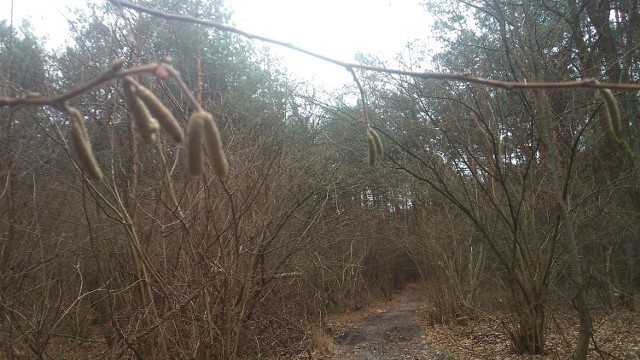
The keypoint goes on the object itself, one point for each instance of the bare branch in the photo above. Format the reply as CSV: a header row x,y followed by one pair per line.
x,y
455,77
112,73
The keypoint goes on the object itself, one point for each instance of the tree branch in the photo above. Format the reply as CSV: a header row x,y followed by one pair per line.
x,y
162,69
112,73
455,77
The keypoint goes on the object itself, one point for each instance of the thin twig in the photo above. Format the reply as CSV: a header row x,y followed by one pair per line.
x,y
112,73
456,77
363,97
185,89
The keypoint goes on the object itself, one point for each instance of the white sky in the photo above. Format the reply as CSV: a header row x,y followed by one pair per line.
x,y
335,28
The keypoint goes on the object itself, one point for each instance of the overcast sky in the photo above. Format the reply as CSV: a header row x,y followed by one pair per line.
x,y
335,28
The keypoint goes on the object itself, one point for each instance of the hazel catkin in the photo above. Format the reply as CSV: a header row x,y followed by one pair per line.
x,y
82,145
160,112
612,110
213,144
377,141
615,121
195,155
371,149
145,124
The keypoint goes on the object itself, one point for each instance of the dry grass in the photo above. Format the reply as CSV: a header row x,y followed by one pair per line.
x,y
321,344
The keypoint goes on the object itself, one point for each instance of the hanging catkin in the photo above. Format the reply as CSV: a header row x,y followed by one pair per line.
x,y
213,144
612,110
144,123
377,141
160,112
82,145
614,124
371,149
195,155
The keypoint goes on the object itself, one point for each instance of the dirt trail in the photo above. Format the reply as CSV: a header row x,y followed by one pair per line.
x,y
388,331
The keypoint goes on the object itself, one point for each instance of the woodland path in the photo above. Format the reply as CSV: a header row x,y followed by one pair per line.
x,y
386,331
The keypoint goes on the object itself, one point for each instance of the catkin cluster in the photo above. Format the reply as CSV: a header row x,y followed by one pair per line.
x,y
149,115
204,131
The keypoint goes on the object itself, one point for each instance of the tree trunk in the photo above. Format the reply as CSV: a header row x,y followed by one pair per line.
x,y
548,141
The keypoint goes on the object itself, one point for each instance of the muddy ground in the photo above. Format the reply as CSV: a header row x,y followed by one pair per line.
x,y
387,331
398,329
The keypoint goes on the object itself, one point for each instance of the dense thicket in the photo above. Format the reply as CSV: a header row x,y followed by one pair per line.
x,y
547,184
483,193
152,262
